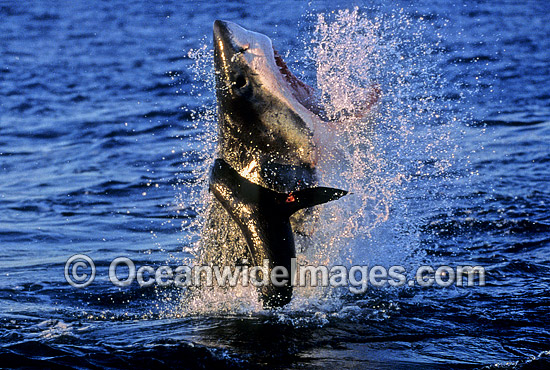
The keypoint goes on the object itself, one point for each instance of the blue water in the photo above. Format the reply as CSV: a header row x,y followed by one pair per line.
x,y
97,156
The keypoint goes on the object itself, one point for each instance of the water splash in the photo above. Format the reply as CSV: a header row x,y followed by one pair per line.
x,y
383,153
383,149
198,156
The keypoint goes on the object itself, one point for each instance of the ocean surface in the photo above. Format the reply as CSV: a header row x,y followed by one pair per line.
x,y
106,127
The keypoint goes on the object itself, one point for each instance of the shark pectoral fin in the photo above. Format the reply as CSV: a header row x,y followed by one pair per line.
x,y
311,197
232,190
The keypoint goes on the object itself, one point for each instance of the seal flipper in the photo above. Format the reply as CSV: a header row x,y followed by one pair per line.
x,y
263,216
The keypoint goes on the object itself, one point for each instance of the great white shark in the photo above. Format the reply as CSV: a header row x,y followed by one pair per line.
x,y
270,139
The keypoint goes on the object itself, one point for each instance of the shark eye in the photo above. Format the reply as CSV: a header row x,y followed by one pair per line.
x,y
240,81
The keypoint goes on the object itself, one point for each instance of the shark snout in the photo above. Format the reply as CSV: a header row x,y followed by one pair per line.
x,y
232,38
221,31
222,36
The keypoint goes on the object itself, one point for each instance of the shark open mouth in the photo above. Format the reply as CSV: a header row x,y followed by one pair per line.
x,y
256,50
304,93
308,97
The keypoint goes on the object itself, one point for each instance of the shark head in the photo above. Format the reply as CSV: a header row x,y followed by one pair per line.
x,y
264,111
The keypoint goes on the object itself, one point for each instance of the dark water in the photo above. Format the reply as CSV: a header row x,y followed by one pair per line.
x,y
96,157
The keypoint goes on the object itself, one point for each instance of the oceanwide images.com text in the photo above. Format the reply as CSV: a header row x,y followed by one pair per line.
x,y
80,271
